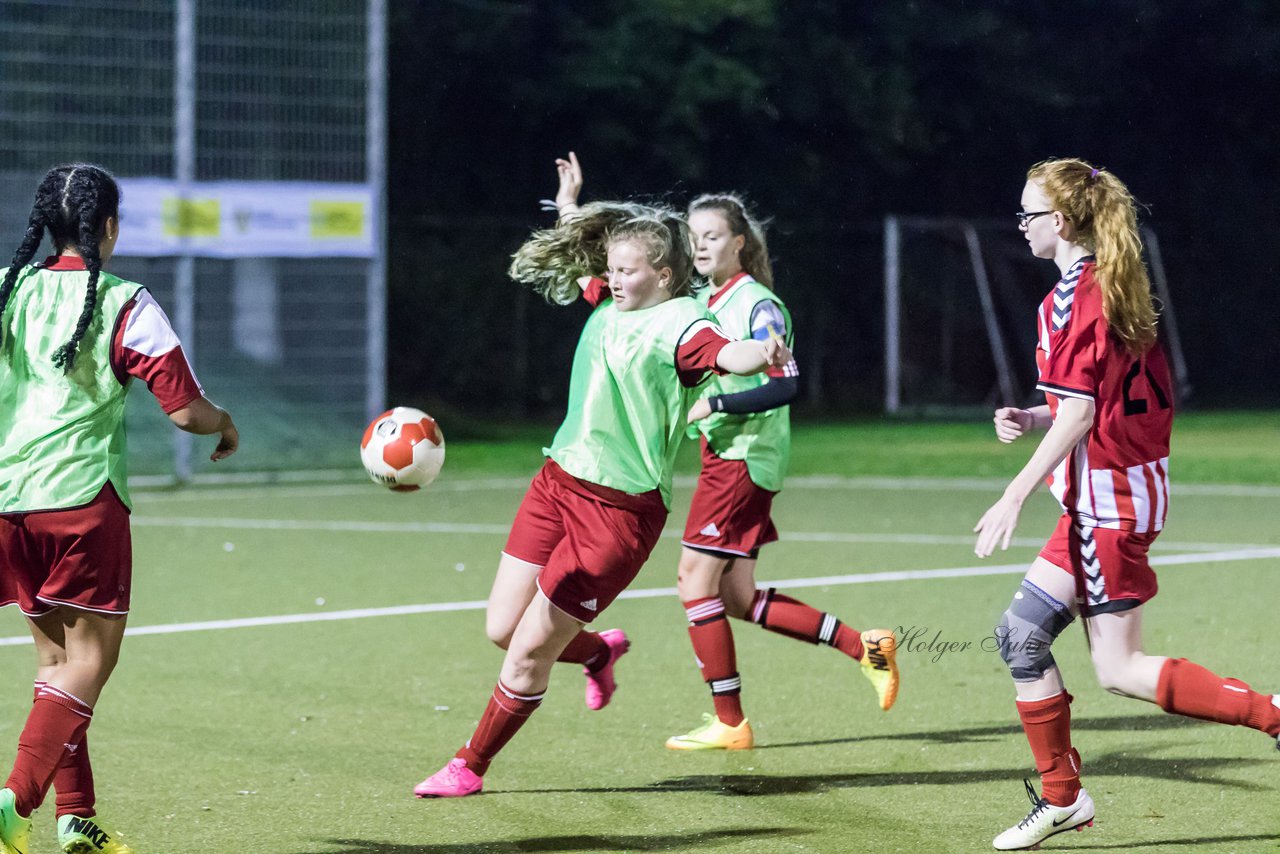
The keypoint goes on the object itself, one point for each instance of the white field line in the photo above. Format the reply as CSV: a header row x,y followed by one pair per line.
x,y
655,592
366,527
813,482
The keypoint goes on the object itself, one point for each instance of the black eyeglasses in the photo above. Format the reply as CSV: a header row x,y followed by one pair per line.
x,y
1025,217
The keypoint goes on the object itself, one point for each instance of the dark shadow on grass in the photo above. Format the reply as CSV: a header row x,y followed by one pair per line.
x,y
1132,723
1197,842
1129,766
653,842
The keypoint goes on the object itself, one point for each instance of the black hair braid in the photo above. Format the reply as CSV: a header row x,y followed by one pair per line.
x,y
87,246
74,202
26,251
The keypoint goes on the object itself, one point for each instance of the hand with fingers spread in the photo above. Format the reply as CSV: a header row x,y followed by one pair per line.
x,y
570,174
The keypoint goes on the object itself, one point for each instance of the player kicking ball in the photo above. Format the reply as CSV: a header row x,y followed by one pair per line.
x,y
596,509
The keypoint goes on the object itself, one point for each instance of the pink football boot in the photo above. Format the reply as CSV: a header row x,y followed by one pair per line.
x,y
600,683
454,780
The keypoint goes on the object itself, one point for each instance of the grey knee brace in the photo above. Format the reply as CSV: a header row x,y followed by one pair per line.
x,y
1028,629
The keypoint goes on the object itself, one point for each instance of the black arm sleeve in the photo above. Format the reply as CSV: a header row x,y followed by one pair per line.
x,y
778,391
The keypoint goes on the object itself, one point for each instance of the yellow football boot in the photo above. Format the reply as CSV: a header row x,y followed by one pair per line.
x,y
78,835
880,664
714,735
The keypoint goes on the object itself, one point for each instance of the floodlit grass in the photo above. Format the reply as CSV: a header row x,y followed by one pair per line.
x,y
307,738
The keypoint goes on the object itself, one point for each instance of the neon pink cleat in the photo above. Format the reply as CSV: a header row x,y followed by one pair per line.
x,y
454,780
600,683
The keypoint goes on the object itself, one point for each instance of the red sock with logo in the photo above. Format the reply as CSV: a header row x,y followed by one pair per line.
x,y
1047,724
56,724
73,781
780,613
713,648
588,649
1186,688
506,713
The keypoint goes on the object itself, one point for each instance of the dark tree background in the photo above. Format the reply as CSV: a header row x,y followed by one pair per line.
x,y
828,114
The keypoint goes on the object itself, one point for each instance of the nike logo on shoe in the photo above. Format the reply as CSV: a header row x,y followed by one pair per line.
x,y
1059,822
89,829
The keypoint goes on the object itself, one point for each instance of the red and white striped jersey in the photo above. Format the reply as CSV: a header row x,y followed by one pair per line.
x,y
1118,475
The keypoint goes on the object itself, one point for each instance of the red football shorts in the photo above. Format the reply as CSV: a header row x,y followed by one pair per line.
x,y
81,557
729,514
590,541
1110,566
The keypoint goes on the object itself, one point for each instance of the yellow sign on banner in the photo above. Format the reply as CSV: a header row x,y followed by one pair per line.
x,y
191,217
336,220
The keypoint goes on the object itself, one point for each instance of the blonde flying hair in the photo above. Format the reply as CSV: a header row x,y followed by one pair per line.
x,y
553,259
754,256
1102,211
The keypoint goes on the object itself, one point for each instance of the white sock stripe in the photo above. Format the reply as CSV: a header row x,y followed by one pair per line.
x,y
58,692
762,599
705,609
724,686
526,699
827,631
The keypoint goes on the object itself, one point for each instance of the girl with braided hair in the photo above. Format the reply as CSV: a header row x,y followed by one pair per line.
x,y
65,554
1105,457
595,510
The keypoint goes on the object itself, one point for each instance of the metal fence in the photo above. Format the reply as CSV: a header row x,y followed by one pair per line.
x,y
211,90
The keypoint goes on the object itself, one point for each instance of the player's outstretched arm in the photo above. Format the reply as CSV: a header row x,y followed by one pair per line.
x,y
752,357
203,418
996,527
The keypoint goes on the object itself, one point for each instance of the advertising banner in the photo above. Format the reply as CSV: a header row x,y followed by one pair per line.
x,y
245,219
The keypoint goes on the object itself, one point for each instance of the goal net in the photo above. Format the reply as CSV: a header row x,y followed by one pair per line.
x,y
960,308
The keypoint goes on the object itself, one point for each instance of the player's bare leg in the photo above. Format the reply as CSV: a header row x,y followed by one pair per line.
x,y
1176,685
537,642
514,586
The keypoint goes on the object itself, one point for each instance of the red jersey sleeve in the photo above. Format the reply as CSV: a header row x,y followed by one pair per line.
x,y
145,346
595,291
697,351
1077,338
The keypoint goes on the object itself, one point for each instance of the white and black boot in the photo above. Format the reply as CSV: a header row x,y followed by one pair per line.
x,y
1044,821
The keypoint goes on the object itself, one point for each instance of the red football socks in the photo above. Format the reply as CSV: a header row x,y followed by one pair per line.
x,y
588,649
791,617
55,727
506,713
73,781
713,647
1047,724
1186,688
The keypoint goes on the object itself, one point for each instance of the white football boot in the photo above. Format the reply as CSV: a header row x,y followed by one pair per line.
x,y
1044,821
